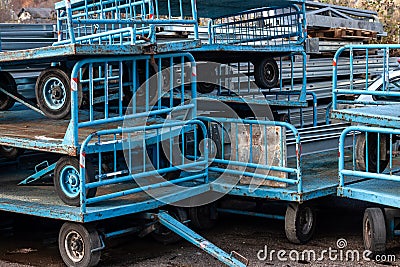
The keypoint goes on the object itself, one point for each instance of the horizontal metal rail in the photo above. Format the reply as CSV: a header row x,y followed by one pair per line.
x,y
236,82
139,80
272,26
381,88
143,176
120,21
259,165
374,157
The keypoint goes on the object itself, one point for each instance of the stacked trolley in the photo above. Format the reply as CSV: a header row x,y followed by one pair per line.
x,y
255,42
374,112
118,109
255,158
112,137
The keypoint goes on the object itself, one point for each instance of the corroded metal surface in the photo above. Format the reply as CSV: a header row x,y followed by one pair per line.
x,y
41,199
76,51
320,178
33,131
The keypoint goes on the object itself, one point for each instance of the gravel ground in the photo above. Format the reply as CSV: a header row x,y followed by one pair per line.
x,y
33,242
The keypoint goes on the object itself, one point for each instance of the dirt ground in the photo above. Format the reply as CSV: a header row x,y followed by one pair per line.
x,y
27,241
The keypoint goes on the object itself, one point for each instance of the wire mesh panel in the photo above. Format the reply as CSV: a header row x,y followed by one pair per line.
x,y
260,27
120,21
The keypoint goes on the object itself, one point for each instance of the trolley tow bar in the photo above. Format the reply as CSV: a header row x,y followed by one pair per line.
x,y
182,230
39,173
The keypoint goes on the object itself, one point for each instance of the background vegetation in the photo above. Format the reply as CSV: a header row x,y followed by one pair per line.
x,y
388,13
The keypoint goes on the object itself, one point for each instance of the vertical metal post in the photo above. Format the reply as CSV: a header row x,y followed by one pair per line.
x,y
69,21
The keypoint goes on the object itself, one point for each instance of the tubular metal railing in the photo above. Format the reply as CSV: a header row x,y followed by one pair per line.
x,y
118,22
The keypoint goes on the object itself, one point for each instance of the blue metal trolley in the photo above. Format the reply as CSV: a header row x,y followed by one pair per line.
x,y
374,112
109,159
257,41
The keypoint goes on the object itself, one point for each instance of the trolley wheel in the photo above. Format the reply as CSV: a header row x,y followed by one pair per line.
x,y
205,88
67,180
372,152
300,223
203,217
166,236
78,243
266,73
53,93
282,117
11,153
8,83
374,230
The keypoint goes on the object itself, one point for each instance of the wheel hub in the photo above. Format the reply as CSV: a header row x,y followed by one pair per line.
x,y
54,92
70,182
57,93
268,72
72,179
306,220
74,246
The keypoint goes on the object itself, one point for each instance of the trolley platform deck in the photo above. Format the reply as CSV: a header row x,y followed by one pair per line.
x,y
32,130
319,179
384,116
77,51
218,48
41,200
367,191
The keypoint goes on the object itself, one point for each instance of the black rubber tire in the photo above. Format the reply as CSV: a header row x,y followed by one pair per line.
x,y
266,73
205,88
202,217
8,83
300,221
64,78
166,236
74,239
374,230
372,157
11,153
284,117
66,161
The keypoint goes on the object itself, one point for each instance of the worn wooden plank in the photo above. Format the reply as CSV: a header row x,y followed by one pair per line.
x,y
268,148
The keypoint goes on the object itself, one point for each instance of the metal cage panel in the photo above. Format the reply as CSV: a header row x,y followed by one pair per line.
x,y
118,22
272,26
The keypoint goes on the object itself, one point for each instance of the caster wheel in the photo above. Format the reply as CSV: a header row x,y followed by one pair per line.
x,y
67,180
11,153
7,82
78,245
372,152
299,223
203,217
374,230
166,236
53,93
266,73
